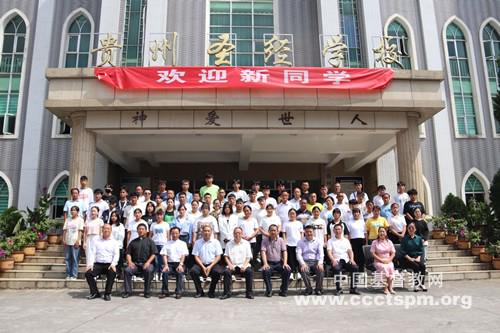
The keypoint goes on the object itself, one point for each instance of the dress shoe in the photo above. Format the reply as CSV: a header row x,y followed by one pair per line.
x,y
269,294
337,292
163,295
225,296
354,292
307,292
178,296
283,294
198,295
318,293
147,295
423,288
211,295
93,296
249,296
125,295
107,297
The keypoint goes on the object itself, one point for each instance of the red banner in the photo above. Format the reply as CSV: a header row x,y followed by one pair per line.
x,y
363,79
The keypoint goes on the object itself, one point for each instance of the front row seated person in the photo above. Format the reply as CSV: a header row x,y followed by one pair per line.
x,y
412,251
310,256
275,259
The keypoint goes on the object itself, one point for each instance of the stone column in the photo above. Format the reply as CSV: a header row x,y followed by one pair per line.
x,y
410,157
83,150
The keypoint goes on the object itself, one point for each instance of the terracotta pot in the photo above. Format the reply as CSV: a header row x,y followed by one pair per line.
x,y
438,234
18,256
41,244
451,239
496,263
478,249
29,250
6,264
485,257
54,239
463,244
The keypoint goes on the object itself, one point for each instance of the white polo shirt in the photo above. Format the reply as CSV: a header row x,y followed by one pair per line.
x,y
174,250
357,228
248,225
207,250
339,248
397,222
238,252
292,231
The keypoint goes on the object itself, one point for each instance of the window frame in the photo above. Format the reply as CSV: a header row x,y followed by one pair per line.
x,y
10,193
412,51
363,59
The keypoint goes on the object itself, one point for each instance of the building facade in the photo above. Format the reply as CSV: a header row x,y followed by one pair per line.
x,y
459,146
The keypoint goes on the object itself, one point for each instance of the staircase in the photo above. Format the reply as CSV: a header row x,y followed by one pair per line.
x,y
46,270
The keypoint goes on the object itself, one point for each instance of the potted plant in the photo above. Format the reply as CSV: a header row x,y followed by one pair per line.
x,y
485,256
28,237
494,251
41,242
453,228
463,242
439,227
475,239
17,252
6,261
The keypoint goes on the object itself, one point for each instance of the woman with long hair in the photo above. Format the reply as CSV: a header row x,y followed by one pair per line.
x,y
118,234
383,252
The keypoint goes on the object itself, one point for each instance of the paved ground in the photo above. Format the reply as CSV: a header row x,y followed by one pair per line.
x,y
477,309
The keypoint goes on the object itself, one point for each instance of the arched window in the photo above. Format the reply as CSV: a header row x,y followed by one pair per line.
x,y
4,195
474,189
59,195
133,36
400,39
461,81
11,65
491,45
349,26
78,43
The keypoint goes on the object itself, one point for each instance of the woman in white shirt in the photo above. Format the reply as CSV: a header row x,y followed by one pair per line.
x,y
269,219
357,239
397,224
204,219
118,234
93,229
227,222
327,213
195,213
250,228
292,233
159,232
319,226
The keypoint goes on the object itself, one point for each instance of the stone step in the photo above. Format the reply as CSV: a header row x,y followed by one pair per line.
x,y
55,247
458,267
452,260
46,253
36,274
442,247
448,253
436,242
42,267
48,260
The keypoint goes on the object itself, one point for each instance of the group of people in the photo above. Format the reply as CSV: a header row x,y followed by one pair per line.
x,y
211,235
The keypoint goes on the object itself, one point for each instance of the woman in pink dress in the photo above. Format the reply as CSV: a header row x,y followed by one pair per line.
x,y
383,252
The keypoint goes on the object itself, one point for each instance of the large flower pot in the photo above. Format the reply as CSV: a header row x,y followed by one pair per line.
x,y
18,256
438,234
6,264
41,244
451,239
478,249
54,239
463,244
496,263
485,257
29,250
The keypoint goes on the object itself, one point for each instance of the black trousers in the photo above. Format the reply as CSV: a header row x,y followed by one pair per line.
x,y
276,266
292,258
100,269
418,269
357,249
215,275
228,281
394,238
138,269
179,282
342,265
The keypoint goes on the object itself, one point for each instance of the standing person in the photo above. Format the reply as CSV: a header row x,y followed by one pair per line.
x,y
185,191
216,209
268,220
238,192
412,251
92,231
385,209
297,196
310,256
397,225
118,234
72,237
283,207
132,226
99,203
175,253
422,229
162,189
368,211
292,233
313,202
159,232
141,253
184,224
318,225
227,222
140,193
169,213
129,210
327,212
337,189
343,205
266,190
207,254
323,194
303,214
359,192
252,200
182,202
383,252
373,224
205,219
275,258
194,214
103,260
378,200
250,229
337,219
401,197
209,187
256,188
221,196
304,189
357,239
86,195
73,201
342,258
149,213
122,202
237,256
411,205
108,195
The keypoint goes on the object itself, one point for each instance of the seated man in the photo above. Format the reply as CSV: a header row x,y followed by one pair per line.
x,y
310,256
174,254
207,253
103,259
238,255
342,258
275,258
141,252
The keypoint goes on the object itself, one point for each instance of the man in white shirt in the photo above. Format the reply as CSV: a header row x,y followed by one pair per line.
x,y
174,255
99,203
128,212
342,258
86,195
359,191
297,196
337,189
401,197
74,201
238,193
378,200
342,206
238,255
266,190
102,260
252,201
284,207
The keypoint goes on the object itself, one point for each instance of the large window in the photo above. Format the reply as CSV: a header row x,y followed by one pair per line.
x,y
474,189
78,43
11,65
4,195
249,21
461,82
400,39
133,32
349,26
491,45
59,195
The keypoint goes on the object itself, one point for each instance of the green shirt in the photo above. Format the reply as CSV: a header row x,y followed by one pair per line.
x,y
209,189
413,247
